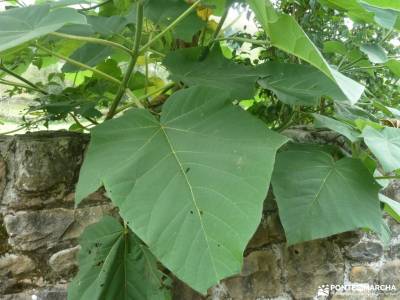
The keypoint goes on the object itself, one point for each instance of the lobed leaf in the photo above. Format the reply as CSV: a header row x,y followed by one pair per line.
x,y
114,264
306,184
191,185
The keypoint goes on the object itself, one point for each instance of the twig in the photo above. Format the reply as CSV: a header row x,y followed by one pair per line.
x,y
79,64
92,40
13,74
95,6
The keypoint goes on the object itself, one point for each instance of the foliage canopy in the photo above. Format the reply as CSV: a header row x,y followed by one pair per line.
x,y
187,113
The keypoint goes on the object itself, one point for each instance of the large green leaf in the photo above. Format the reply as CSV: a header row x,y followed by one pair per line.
x,y
297,84
114,264
335,125
20,25
318,197
214,71
191,185
385,145
296,42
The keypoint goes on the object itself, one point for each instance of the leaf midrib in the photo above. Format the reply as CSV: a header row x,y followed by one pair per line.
x,y
192,197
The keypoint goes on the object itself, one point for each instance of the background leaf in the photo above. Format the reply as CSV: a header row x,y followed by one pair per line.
x,y
296,42
297,84
340,127
318,197
376,54
385,145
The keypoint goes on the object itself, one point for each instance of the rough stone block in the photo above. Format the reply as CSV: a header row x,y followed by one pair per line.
x,y
30,230
390,274
260,277
269,231
84,217
43,168
362,274
50,293
65,260
15,264
311,264
365,251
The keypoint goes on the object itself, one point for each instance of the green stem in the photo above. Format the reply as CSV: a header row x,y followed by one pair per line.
x,y
13,74
95,6
170,26
19,85
363,68
244,40
207,49
133,104
92,40
77,121
79,64
355,150
352,63
386,36
219,27
132,62
388,177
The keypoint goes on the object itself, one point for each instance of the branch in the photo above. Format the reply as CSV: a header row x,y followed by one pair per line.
x,y
92,40
95,6
132,62
19,85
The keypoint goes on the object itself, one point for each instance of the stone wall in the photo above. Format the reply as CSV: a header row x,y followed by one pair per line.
x,y
39,228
